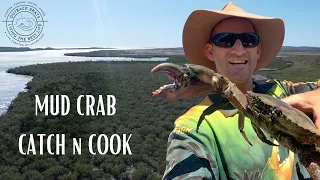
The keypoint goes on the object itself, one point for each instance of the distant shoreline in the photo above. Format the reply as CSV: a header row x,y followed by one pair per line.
x,y
24,49
285,50
165,52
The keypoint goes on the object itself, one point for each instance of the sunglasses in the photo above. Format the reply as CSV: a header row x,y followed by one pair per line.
x,y
227,40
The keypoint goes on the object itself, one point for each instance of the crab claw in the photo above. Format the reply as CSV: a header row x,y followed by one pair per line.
x,y
189,81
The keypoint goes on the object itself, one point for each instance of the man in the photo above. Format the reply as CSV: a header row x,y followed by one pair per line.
x,y
234,43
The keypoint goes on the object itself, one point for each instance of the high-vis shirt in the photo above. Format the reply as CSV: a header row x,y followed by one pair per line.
x,y
219,151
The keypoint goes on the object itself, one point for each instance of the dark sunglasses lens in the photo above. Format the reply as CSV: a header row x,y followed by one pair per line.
x,y
224,40
249,40
228,39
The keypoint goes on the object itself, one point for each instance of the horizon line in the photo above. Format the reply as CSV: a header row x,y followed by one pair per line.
x,y
99,47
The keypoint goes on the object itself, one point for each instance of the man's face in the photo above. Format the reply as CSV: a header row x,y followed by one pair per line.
x,y
229,61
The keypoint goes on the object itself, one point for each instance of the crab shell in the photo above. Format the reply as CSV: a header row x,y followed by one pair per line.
x,y
278,118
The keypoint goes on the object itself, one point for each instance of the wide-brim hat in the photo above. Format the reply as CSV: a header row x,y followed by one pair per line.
x,y
198,27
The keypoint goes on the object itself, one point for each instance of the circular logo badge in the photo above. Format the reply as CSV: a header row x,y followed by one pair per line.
x,y
24,23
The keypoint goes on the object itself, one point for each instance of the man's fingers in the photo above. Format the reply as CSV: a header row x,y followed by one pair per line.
x,y
298,102
308,103
292,100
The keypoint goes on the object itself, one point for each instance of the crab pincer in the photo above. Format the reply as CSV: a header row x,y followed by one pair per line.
x,y
186,82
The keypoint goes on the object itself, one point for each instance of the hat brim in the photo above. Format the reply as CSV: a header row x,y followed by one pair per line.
x,y
199,25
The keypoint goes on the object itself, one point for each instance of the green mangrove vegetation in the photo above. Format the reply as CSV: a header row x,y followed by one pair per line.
x,y
148,120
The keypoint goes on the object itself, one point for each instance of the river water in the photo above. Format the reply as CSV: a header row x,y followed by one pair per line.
x,y
11,84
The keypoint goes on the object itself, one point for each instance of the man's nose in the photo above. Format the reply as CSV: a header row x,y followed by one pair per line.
x,y
238,48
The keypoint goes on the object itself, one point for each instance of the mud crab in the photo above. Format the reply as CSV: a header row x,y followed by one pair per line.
x,y
289,126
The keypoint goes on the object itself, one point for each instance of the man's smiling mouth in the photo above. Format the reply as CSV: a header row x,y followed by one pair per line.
x,y
238,62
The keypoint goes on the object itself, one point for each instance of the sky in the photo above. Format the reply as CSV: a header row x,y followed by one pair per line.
x,y
151,23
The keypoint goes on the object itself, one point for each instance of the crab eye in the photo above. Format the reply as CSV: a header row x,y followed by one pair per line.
x,y
278,112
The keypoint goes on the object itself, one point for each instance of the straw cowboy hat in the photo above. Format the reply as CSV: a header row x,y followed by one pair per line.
x,y
199,25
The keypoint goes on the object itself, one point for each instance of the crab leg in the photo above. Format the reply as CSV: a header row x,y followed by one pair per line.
x,y
261,135
241,126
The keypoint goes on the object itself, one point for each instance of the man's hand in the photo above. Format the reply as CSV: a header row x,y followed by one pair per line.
x,y
308,102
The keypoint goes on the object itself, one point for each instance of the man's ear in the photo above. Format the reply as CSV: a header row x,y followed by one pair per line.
x,y
209,51
258,51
